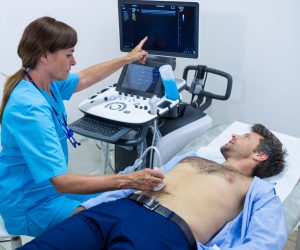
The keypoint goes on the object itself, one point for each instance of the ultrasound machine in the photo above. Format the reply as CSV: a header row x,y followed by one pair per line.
x,y
135,112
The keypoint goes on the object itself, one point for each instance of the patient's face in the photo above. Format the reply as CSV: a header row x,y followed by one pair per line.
x,y
241,146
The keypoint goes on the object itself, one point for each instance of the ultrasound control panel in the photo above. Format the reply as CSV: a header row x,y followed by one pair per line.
x,y
127,108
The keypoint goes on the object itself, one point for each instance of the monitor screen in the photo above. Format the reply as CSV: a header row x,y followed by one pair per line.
x,y
141,79
171,27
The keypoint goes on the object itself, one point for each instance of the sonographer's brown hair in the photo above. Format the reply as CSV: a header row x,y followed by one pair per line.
x,y
43,35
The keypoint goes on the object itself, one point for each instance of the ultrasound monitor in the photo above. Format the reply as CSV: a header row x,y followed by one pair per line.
x,y
141,79
171,27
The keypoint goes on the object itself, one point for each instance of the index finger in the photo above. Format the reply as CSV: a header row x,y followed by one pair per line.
x,y
142,42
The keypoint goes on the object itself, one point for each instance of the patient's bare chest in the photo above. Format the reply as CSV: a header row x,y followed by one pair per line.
x,y
206,201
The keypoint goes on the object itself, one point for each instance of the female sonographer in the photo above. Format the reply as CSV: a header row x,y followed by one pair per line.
x,y
36,189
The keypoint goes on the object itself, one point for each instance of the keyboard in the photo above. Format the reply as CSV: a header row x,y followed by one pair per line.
x,y
98,129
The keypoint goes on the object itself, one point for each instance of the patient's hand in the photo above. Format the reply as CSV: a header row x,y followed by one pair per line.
x,y
77,210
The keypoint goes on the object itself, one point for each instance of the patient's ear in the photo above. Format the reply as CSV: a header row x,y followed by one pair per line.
x,y
260,156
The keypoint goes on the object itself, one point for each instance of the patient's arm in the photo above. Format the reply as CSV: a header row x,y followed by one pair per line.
x,y
266,228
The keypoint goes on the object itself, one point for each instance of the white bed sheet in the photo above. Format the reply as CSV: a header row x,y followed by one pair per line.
x,y
286,181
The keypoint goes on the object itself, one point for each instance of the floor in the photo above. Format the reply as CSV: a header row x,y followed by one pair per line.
x,y
291,244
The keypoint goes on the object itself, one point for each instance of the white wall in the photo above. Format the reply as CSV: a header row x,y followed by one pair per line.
x,y
257,42
96,24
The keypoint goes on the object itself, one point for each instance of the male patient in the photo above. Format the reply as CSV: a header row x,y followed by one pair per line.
x,y
222,205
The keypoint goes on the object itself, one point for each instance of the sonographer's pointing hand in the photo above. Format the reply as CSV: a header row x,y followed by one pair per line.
x,y
138,53
145,179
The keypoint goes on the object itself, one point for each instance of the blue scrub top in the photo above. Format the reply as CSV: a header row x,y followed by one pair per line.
x,y
34,150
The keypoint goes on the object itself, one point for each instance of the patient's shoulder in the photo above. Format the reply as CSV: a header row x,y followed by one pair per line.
x,y
263,187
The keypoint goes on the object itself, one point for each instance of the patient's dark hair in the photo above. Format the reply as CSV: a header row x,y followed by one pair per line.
x,y
271,146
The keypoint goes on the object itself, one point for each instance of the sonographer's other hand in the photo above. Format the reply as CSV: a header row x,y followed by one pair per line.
x,y
138,53
145,180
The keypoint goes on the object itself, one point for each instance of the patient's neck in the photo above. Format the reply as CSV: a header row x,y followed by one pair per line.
x,y
243,166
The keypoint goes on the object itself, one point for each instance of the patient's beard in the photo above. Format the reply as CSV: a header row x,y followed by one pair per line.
x,y
225,151
230,151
